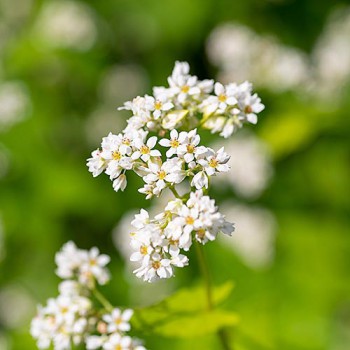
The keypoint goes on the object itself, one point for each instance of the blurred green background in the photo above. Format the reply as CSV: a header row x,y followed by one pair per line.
x,y
64,68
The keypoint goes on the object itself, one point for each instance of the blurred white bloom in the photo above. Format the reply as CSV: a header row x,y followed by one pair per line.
x,y
251,167
118,320
72,318
254,238
242,55
14,104
331,56
16,306
68,24
120,83
87,266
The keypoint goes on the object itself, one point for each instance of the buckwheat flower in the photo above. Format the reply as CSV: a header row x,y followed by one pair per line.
x,y
155,268
95,342
120,183
119,342
225,97
118,321
145,150
68,260
174,142
141,220
158,105
215,162
93,266
96,164
188,147
69,288
149,190
200,180
183,84
249,104
160,174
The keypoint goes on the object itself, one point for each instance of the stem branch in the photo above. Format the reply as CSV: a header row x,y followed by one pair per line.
x,y
102,299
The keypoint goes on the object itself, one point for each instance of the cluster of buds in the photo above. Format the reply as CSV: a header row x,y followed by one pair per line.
x,y
161,144
73,317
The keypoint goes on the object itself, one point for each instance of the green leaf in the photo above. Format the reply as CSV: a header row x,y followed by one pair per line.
x,y
187,309
202,323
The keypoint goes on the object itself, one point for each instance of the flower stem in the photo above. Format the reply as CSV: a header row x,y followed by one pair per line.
x,y
172,189
222,335
102,299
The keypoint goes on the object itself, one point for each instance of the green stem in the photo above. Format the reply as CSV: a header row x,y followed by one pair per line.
x,y
205,272
172,189
222,335
102,299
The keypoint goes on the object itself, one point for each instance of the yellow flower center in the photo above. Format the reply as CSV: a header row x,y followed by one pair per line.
x,y
144,149
190,148
213,163
126,141
156,265
93,262
222,98
116,155
185,89
173,242
118,347
143,250
174,143
189,220
158,105
201,233
161,175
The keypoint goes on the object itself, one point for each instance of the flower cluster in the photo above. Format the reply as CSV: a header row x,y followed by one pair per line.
x,y
157,243
161,144
72,317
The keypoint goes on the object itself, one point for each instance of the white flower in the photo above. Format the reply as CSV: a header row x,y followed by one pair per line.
x,y
118,321
173,142
215,162
120,183
97,164
158,106
145,151
160,174
93,266
188,148
200,180
68,260
183,84
225,97
119,342
95,342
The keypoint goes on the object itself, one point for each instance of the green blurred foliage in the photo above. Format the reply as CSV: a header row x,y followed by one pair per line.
x,y
302,301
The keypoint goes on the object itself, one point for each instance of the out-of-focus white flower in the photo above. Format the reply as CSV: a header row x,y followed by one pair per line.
x,y
254,238
72,318
251,167
241,54
331,56
68,24
16,306
118,320
14,104
87,266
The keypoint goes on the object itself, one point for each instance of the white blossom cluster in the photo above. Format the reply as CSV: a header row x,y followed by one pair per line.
x,y
72,318
161,144
158,242
133,151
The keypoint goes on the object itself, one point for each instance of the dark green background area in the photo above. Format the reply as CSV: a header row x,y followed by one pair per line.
x,y
48,197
